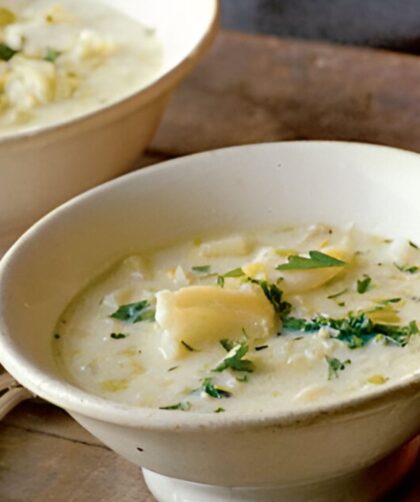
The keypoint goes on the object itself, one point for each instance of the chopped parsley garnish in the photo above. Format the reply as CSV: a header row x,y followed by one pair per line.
x,y
407,268
212,390
336,295
387,301
413,245
274,295
335,365
316,260
236,272
183,406
364,284
201,269
261,347
135,312
234,360
355,330
242,378
227,344
51,55
172,368
6,52
118,336
219,410
188,347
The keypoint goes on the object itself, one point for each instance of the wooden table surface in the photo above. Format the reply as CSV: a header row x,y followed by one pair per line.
x,y
248,89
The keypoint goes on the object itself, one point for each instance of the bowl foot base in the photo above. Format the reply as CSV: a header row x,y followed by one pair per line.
x,y
365,485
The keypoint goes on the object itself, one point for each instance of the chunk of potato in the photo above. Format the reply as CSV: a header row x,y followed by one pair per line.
x,y
197,315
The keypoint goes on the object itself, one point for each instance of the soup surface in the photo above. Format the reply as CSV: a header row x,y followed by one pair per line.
x,y
62,59
275,319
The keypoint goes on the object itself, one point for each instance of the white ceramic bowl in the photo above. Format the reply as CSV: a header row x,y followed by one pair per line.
x,y
311,455
43,168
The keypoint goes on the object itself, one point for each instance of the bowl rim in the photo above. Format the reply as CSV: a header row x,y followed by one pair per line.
x,y
80,402
133,100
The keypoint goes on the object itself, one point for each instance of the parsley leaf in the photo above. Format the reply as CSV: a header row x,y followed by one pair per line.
x,y
355,330
201,269
234,360
227,344
274,295
236,272
413,245
260,347
182,405
6,52
212,390
51,55
135,312
316,260
335,365
336,295
118,336
388,301
188,347
363,284
407,268
219,410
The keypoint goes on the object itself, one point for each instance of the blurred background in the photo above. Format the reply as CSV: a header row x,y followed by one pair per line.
x,y
389,24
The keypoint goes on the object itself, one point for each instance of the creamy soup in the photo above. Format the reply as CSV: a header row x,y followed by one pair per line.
x,y
62,59
275,319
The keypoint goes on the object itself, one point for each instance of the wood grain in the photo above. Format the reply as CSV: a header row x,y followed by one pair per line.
x,y
252,89
248,89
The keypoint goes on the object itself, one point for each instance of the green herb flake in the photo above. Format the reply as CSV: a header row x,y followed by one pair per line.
x,y
6,52
364,284
219,410
135,312
413,245
355,330
316,260
261,347
118,336
336,295
213,391
57,336
242,378
220,281
236,272
388,301
275,296
182,406
51,55
335,365
407,268
227,344
234,360
172,368
188,347
201,269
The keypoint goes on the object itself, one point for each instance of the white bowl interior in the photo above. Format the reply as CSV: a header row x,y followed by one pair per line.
x,y
241,187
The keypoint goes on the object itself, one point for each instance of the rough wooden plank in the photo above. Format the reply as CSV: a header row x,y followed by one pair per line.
x,y
253,89
39,416
35,467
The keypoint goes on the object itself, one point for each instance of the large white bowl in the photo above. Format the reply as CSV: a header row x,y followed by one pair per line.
x,y
311,455
43,168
